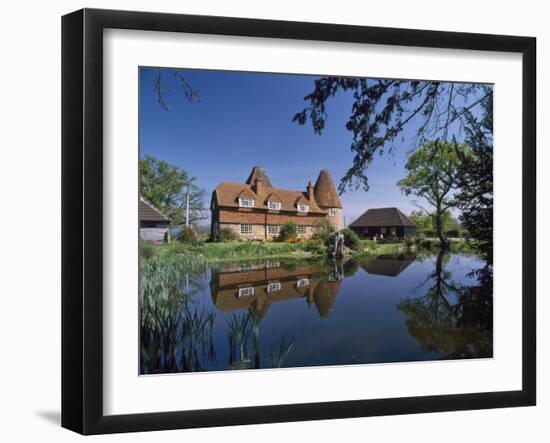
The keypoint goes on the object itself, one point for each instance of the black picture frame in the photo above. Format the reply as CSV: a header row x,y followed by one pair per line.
x,y
82,215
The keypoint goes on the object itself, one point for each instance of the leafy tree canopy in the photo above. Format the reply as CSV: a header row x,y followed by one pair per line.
x,y
166,185
382,108
432,175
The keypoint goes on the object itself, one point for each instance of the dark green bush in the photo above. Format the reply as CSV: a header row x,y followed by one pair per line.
x,y
427,244
314,246
146,249
389,239
322,230
453,233
351,239
226,235
288,231
410,241
187,235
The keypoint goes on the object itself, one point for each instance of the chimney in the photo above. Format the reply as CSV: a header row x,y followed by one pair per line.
x,y
310,195
258,186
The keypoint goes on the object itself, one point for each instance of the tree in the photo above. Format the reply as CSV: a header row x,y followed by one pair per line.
x,y
166,186
423,221
288,231
383,108
475,178
432,175
161,88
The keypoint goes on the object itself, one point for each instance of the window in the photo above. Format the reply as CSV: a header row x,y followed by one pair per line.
x,y
272,229
302,283
273,287
272,264
333,212
275,206
246,229
302,230
246,292
246,202
393,231
383,230
303,208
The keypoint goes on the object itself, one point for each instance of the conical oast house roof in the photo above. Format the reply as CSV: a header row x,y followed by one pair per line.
x,y
256,173
325,191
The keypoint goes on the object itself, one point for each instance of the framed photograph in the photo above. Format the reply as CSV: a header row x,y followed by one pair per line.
x,y
269,221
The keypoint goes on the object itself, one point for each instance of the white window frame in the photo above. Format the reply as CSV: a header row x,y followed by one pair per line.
x,y
274,206
303,207
269,227
273,287
246,225
246,292
333,212
302,283
302,228
272,264
245,202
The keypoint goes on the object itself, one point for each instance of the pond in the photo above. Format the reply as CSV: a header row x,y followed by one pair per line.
x,y
296,313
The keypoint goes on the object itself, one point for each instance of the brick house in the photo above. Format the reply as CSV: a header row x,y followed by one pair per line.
x,y
255,210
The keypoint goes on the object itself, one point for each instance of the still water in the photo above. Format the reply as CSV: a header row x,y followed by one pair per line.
x,y
295,313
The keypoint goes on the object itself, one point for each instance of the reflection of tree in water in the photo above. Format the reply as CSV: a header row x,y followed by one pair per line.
x,y
176,335
451,318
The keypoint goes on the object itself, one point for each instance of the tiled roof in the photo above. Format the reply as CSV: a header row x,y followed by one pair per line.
x,y
258,173
382,217
147,212
325,191
227,195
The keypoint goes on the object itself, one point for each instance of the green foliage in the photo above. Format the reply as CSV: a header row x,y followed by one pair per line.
x,y
322,230
226,235
432,175
288,231
428,244
351,239
383,108
475,199
187,235
314,246
165,186
389,239
410,241
146,249
424,222
453,233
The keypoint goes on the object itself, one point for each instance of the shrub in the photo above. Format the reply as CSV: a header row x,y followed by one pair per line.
x,y
146,249
427,244
322,230
430,233
389,239
187,235
351,239
314,246
453,233
226,235
410,241
288,231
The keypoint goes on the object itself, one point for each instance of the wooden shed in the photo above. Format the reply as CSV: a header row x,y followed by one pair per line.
x,y
153,224
383,222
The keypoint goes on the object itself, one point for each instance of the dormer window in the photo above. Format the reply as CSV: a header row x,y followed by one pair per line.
x,y
274,206
246,202
333,212
302,207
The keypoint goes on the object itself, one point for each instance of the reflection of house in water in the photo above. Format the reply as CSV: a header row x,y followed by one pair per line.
x,y
257,287
388,266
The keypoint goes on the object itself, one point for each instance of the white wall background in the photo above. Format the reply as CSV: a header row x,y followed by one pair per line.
x,y
30,214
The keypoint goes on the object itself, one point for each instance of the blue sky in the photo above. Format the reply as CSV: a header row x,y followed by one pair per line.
x,y
245,119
